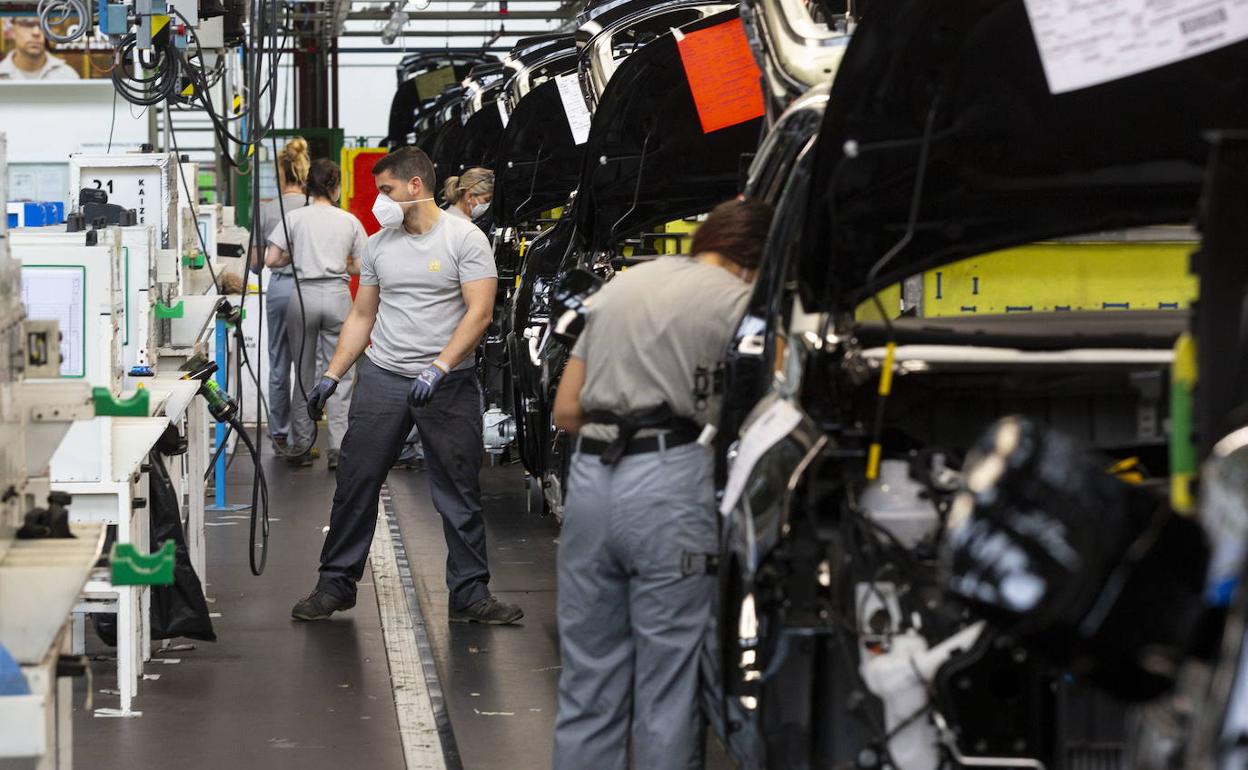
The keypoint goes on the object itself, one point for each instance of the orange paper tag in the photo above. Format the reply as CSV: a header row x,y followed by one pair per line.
x,y
722,75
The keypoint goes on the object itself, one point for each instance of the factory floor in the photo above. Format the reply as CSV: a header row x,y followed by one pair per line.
x,y
273,693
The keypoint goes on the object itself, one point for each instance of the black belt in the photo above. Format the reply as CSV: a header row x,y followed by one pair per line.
x,y
639,446
682,431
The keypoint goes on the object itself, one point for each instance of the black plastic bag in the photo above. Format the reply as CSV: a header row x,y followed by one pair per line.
x,y
179,609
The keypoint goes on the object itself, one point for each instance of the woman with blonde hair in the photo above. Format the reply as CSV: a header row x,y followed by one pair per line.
x,y
293,163
469,194
325,244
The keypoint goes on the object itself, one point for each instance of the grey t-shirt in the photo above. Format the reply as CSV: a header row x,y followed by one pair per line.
x,y
53,69
271,218
421,302
324,236
657,334
455,211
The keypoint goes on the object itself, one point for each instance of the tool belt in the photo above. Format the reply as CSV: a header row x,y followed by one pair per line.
x,y
679,431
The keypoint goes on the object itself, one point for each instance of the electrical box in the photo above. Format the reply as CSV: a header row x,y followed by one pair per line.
x,y
145,182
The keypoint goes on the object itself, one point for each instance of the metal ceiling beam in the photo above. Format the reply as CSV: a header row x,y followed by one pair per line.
x,y
551,15
437,34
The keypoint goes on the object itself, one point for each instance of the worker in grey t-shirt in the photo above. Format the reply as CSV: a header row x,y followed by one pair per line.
x,y
325,246
638,391
426,298
292,170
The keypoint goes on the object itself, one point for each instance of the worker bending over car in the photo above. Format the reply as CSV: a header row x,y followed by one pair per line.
x,y
426,297
634,591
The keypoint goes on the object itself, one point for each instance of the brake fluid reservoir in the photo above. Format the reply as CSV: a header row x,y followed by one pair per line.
x,y
895,502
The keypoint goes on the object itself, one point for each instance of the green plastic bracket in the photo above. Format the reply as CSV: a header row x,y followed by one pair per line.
x,y
194,261
131,568
165,311
107,406
242,314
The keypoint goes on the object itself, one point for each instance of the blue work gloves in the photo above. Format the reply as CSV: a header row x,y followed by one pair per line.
x,y
319,395
425,384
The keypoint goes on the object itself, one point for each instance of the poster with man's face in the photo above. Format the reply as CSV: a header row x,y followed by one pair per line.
x,y
28,55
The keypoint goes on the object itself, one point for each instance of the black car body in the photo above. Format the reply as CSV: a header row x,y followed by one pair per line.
x,y
414,108
940,140
646,162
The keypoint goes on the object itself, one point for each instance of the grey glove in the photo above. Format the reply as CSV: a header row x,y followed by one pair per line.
x,y
319,395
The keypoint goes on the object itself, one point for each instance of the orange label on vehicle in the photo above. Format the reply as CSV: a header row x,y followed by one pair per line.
x,y
722,74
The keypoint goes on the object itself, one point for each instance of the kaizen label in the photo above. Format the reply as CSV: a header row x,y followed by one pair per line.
x,y
1088,42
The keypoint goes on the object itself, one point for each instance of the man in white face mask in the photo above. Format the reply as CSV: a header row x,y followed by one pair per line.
x,y
426,297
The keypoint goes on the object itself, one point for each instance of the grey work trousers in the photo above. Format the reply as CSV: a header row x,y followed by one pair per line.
x,y
632,619
276,299
311,325
451,433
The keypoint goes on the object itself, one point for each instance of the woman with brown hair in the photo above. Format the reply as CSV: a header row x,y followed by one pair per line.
x,y
637,393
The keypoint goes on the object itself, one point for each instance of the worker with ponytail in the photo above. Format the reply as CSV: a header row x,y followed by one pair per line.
x,y
469,194
293,164
325,244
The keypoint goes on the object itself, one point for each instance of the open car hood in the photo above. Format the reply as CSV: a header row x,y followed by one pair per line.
x,y
413,103
536,59
1008,162
541,164
481,132
647,160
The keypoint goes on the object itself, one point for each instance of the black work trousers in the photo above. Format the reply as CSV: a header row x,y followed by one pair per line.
x,y
450,430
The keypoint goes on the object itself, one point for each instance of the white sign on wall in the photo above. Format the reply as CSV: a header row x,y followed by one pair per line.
x,y
1088,42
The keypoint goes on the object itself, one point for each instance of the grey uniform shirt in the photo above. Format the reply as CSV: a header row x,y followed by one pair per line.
x,y
52,69
323,238
271,218
657,334
419,277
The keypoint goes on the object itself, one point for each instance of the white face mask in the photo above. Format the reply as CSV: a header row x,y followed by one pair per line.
x,y
479,209
389,212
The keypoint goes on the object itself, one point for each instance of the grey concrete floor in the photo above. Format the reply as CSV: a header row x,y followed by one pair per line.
x,y
272,693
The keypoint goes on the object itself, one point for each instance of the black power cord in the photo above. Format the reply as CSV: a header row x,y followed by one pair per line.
x,y
259,484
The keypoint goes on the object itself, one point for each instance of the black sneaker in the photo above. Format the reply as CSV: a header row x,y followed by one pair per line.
x,y
332,456
490,611
319,605
299,461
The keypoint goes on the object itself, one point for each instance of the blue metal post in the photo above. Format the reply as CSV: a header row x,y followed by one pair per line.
x,y
223,380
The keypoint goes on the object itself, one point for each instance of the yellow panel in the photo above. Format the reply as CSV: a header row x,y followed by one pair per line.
x,y
890,298
1063,276
346,165
672,245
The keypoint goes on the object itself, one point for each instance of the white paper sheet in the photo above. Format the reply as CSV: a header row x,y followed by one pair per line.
x,y
574,107
1087,42
59,294
771,426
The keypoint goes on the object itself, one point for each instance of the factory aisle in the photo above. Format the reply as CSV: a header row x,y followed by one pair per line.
x,y
270,693
276,694
499,684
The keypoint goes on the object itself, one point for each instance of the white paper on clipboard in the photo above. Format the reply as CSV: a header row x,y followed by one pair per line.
x,y
574,107
1088,42
58,293
771,426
